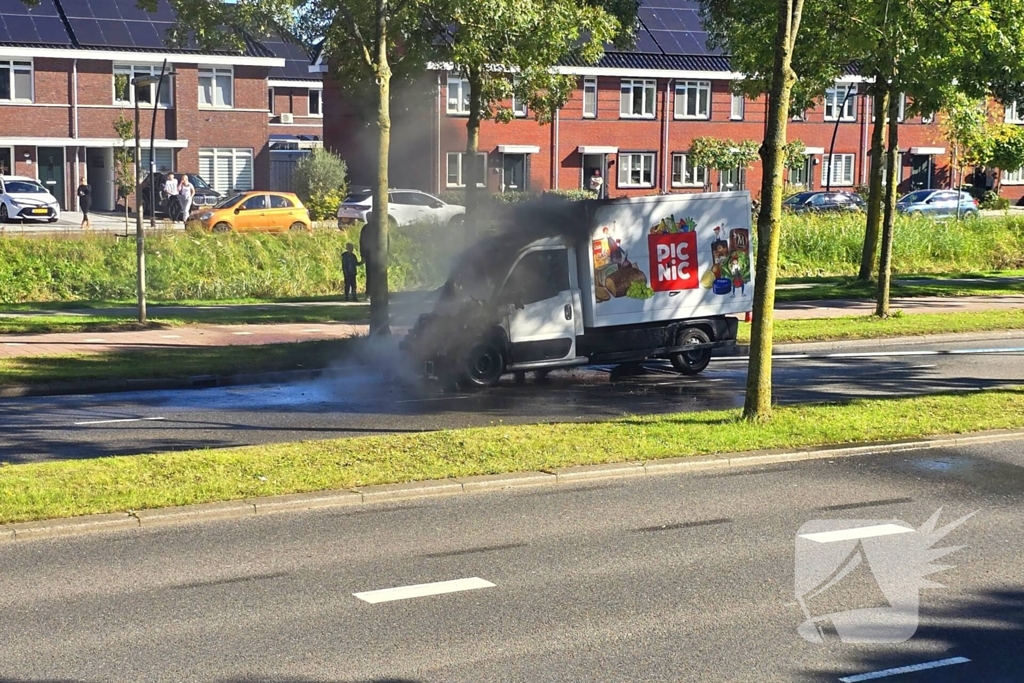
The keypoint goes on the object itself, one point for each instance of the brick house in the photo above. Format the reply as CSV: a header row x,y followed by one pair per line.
x,y
59,96
633,117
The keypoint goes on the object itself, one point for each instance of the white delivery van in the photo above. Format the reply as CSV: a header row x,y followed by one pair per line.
x,y
594,282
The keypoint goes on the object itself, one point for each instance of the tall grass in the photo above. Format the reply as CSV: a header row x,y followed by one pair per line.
x,y
201,266
831,245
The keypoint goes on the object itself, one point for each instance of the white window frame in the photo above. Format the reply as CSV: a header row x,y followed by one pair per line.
x,y
927,119
737,107
134,70
590,85
215,153
834,97
1013,177
21,66
696,89
648,99
460,169
320,103
213,72
826,164
458,106
681,168
1012,115
271,100
628,161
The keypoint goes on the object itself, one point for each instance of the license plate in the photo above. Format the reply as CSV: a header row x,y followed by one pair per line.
x,y
39,211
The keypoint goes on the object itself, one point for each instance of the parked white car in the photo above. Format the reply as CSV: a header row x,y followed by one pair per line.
x,y
25,198
404,207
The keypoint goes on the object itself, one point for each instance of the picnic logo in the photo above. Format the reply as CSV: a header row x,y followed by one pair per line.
x,y
673,261
876,568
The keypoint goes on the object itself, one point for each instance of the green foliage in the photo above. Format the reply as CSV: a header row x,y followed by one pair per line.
x,y
324,206
723,155
577,194
1007,147
966,126
796,154
319,173
991,201
457,197
124,156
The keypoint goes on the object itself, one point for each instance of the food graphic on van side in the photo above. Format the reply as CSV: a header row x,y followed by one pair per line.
x,y
670,226
613,272
730,263
639,290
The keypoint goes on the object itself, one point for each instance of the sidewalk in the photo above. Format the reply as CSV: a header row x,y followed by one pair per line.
x,y
14,346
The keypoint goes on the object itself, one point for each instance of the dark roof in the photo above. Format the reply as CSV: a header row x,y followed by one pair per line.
x,y
119,25
297,57
636,60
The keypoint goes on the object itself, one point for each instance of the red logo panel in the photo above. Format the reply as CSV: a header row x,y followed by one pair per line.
x,y
673,261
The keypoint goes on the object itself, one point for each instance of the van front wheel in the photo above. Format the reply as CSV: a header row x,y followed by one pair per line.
x,y
691,362
484,365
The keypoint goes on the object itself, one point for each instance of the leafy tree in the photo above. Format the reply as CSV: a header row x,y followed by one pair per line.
x,y
776,43
124,161
527,38
966,125
319,179
1007,148
722,155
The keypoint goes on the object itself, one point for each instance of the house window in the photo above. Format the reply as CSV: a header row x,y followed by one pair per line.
x,y
841,97
637,99
840,167
316,102
216,87
457,172
693,99
124,93
270,100
6,160
732,179
1013,177
686,175
636,169
15,81
226,169
1013,113
589,98
458,96
164,160
736,107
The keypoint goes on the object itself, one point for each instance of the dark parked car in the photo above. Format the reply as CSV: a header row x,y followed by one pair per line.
x,y
818,202
205,195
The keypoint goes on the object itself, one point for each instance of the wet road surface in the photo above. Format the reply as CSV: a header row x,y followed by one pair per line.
x,y
360,403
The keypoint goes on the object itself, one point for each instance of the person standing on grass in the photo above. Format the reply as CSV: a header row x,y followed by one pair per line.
x,y
185,194
349,268
85,203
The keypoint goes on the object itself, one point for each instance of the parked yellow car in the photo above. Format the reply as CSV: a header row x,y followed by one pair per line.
x,y
256,210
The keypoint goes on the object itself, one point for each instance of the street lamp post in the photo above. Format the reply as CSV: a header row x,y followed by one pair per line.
x,y
152,135
850,90
140,236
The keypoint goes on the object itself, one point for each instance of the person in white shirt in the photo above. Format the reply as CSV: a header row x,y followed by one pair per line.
x,y
597,183
171,189
186,191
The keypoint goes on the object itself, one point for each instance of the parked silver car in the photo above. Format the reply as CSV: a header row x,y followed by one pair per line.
x,y
938,203
404,207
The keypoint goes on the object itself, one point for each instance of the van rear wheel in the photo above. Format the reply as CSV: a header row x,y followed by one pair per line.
x,y
691,362
484,365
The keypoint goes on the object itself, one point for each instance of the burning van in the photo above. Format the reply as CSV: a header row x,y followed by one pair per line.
x,y
595,282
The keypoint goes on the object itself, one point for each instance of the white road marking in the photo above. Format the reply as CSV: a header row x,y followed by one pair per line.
x,y
170,336
126,419
904,670
436,398
240,334
857,532
95,341
422,589
14,344
312,330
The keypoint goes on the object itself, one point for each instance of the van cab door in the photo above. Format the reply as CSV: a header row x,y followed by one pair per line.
x,y
540,307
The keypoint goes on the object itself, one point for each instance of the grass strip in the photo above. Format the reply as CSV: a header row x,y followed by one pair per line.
x,y
177,362
897,325
831,288
84,322
78,487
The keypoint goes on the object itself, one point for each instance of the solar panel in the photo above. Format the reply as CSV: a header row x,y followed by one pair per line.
x,y
296,57
40,25
674,27
119,23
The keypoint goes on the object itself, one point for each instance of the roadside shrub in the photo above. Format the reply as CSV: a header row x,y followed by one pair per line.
x,y
991,201
574,195
457,197
319,180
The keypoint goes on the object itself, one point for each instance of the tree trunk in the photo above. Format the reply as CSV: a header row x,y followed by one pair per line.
x,y
472,146
885,261
874,217
378,266
758,402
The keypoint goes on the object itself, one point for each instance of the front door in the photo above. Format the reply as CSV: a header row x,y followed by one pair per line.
x,y
539,301
51,171
920,172
513,173
595,164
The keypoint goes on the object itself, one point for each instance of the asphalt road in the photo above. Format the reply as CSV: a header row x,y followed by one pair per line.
x,y
657,578
35,429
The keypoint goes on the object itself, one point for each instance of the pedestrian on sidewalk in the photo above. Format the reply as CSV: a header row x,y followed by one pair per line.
x,y
349,268
170,190
185,194
85,202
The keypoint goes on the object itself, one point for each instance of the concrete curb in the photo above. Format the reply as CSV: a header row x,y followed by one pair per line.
x,y
75,526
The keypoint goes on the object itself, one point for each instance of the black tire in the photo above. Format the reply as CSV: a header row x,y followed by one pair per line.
x,y
691,362
51,220
222,227
5,216
484,365
297,227
457,222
